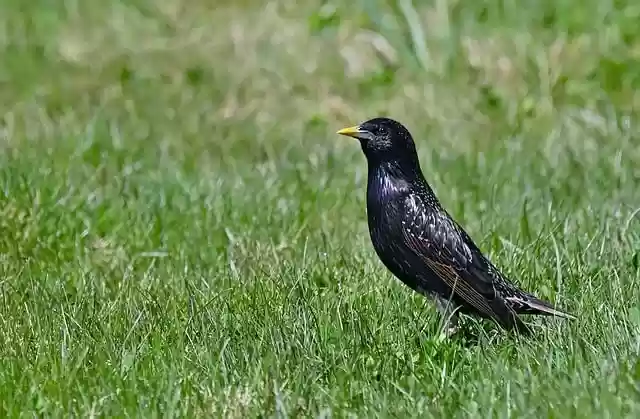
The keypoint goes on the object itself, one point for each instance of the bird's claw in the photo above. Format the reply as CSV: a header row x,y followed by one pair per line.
x,y
448,331
451,330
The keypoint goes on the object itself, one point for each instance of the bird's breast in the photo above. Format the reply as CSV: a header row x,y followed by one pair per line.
x,y
383,206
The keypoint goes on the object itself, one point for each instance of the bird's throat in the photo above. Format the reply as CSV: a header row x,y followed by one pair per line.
x,y
387,181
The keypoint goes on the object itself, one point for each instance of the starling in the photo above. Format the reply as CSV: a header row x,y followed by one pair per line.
x,y
417,240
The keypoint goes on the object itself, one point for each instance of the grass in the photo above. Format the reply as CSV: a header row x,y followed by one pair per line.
x,y
182,234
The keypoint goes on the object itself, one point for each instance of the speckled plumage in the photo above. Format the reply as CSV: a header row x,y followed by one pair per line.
x,y
417,240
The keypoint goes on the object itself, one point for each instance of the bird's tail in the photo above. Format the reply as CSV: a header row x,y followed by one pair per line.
x,y
533,305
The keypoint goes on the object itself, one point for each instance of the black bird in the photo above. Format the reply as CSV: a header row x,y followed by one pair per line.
x,y
417,240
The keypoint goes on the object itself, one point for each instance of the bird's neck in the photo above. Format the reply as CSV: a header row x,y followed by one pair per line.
x,y
392,179
397,171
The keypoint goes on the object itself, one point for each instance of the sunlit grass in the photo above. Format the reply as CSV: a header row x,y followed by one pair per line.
x,y
182,234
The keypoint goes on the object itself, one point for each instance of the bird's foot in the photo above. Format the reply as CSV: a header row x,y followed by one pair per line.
x,y
448,331
451,330
449,317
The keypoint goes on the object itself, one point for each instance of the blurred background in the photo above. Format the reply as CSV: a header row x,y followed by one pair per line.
x,y
182,232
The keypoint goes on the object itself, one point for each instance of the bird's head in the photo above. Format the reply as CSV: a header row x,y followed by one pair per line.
x,y
383,139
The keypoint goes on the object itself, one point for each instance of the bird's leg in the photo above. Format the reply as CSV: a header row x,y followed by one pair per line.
x,y
449,313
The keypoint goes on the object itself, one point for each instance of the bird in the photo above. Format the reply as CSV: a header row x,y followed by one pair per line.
x,y
420,243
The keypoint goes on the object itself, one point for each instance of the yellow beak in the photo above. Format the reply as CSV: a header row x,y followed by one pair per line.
x,y
351,131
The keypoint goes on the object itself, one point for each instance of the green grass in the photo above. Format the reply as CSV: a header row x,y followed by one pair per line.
x,y
183,234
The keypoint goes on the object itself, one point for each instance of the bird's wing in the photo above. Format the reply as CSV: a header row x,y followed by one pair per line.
x,y
449,252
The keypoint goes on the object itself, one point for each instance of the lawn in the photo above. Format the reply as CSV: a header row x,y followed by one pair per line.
x,y
182,234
